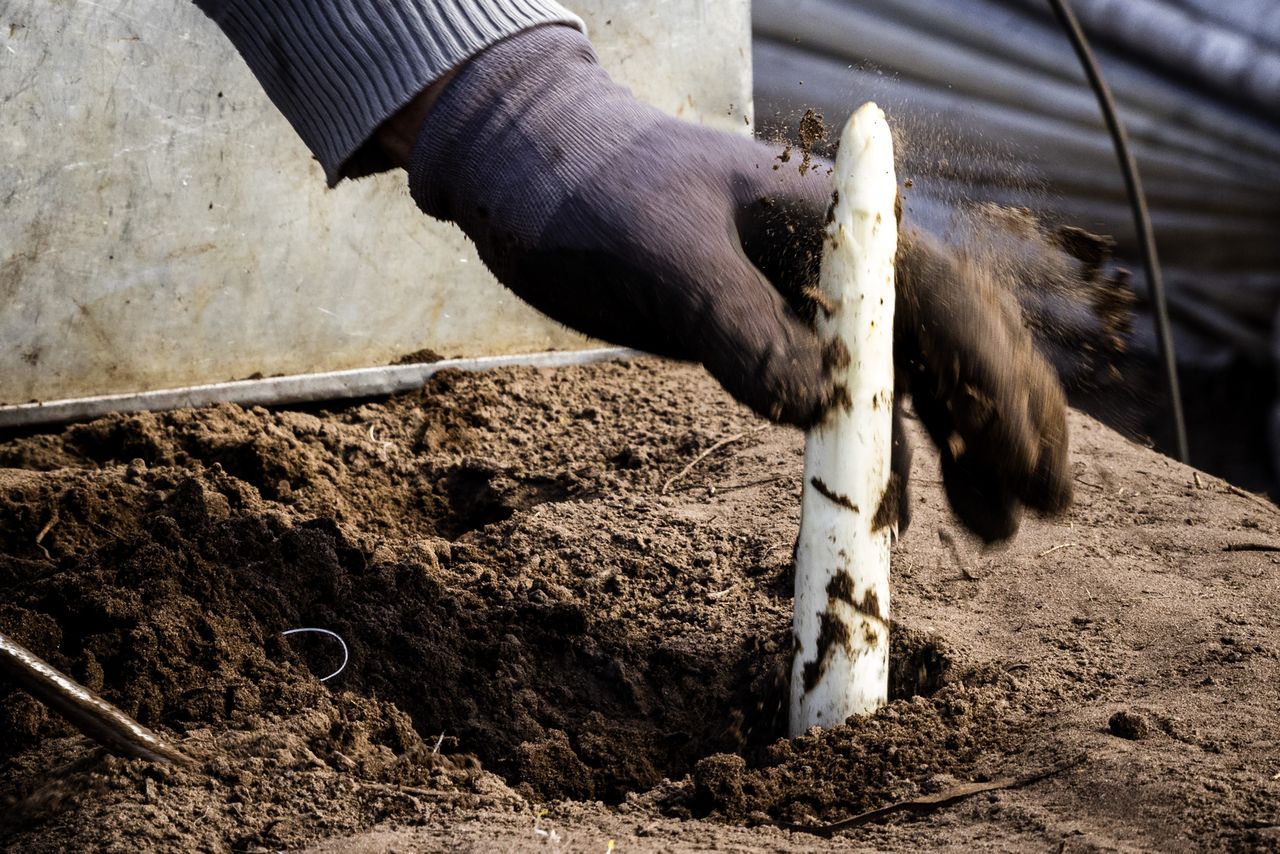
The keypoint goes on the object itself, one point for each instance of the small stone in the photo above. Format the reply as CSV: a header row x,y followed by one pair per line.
x,y
1130,725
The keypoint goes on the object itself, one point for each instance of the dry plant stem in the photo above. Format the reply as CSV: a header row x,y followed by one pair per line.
x,y
86,711
841,662
946,538
415,791
1251,547
1257,499
928,803
708,452
48,526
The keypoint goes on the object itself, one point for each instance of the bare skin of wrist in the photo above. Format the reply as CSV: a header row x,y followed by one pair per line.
x,y
396,136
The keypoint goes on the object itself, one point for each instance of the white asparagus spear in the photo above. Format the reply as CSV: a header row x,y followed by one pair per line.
x,y
841,663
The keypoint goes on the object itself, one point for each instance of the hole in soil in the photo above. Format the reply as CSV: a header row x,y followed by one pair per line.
x,y
511,641
566,713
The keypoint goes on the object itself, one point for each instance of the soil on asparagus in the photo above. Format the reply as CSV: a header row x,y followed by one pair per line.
x,y
562,633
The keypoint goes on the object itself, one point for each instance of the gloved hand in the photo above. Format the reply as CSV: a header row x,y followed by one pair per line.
x,y
650,232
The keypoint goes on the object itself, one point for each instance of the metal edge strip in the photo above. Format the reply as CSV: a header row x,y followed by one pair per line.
x,y
297,388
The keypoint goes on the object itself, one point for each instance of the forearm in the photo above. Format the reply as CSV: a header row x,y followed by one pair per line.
x,y
339,70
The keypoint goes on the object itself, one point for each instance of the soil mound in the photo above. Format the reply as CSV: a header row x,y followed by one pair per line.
x,y
541,608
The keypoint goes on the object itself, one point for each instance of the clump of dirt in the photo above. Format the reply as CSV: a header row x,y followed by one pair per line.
x,y
179,624
812,132
458,455
885,755
419,357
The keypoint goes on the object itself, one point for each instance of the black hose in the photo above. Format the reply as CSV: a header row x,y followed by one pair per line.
x,y
1141,216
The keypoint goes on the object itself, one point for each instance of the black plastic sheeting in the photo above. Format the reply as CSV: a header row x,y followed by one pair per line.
x,y
991,104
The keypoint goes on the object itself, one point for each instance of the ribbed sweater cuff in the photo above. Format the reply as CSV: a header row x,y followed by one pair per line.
x,y
337,69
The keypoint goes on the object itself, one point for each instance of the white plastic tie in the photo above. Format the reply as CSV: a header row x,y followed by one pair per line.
x,y
346,655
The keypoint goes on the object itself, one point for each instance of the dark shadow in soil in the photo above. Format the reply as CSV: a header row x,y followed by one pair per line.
x,y
481,494
919,665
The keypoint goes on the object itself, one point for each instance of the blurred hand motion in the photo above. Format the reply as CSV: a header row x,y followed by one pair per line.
x,y
654,233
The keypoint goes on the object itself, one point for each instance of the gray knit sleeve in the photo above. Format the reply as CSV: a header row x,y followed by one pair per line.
x,y
338,68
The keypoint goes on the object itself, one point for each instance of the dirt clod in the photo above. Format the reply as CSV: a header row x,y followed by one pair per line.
x,y
1131,725
812,132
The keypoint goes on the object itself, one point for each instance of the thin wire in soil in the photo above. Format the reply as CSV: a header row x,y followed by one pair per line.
x,y
346,655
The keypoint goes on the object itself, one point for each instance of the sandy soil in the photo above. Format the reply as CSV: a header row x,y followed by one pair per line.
x,y
548,651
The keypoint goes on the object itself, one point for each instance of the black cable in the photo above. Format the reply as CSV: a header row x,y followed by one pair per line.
x,y
1141,216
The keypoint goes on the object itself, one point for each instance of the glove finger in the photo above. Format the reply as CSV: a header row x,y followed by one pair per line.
x,y
751,340
1049,486
900,468
973,357
955,329
972,481
980,498
1050,489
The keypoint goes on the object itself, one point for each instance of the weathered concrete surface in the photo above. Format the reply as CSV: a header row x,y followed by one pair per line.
x,y
164,227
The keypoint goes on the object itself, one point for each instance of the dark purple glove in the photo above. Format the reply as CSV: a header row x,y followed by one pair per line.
x,y
654,233
617,220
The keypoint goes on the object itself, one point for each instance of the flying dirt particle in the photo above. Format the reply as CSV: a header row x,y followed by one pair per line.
x,y
812,131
